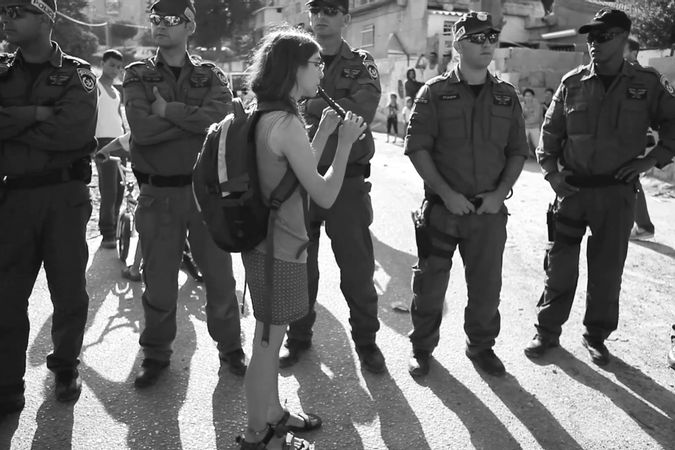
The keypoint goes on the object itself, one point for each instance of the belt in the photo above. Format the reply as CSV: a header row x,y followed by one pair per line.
x,y
79,171
352,170
594,181
163,181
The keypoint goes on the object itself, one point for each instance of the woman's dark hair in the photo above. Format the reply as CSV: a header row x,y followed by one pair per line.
x,y
410,71
276,61
528,90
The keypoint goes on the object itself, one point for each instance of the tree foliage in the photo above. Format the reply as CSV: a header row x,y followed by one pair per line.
x,y
653,21
220,19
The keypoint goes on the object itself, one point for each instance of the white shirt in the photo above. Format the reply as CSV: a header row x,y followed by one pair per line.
x,y
109,124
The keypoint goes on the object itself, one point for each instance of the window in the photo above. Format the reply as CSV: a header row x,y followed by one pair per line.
x,y
368,36
447,28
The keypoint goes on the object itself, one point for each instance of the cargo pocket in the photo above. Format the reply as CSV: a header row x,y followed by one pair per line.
x,y
500,124
577,119
452,124
367,201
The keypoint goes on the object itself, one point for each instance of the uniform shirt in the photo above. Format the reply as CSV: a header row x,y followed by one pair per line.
x,y
199,97
593,132
65,84
468,138
353,81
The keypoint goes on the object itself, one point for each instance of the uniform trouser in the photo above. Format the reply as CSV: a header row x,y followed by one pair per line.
x,y
642,218
609,212
347,223
481,240
165,216
112,192
42,225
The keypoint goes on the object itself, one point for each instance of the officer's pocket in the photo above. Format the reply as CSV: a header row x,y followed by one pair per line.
x,y
80,200
500,124
452,124
146,219
632,122
577,119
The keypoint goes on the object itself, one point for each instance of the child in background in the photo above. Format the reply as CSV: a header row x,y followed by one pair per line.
x,y
392,116
407,109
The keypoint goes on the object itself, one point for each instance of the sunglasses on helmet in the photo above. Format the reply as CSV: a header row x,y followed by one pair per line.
x,y
330,11
168,21
480,38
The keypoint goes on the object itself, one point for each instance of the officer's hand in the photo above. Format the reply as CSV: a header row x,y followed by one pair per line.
x,y
492,202
560,186
631,171
329,121
159,105
457,203
43,113
352,127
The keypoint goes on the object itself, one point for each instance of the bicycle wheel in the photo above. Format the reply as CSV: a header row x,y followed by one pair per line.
x,y
123,235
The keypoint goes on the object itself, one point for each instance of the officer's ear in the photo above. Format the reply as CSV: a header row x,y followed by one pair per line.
x,y
191,27
346,20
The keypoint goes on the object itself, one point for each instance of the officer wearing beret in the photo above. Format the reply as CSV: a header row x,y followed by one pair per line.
x,y
47,123
171,100
466,139
591,152
351,78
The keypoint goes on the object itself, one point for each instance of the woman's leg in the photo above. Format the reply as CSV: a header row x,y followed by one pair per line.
x,y
261,381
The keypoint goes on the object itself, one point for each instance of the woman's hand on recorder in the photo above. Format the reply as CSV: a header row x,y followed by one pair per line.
x,y
329,121
351,129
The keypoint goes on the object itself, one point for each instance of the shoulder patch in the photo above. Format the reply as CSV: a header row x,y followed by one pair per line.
x,y
371,68
667,86
220,75
87,79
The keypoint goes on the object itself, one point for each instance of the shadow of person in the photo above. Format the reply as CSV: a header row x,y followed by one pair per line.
x,y
328,385
531,412
151,414
485,429
8,426
54,422
228,405
644,386
654,422
397,265
657,247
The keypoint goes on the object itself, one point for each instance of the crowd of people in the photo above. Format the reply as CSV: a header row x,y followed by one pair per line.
x,y
590,143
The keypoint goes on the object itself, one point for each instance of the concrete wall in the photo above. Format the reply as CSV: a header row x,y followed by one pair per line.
x,y
536,69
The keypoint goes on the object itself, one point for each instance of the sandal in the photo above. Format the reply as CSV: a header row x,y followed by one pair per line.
x,y
310,422
290,442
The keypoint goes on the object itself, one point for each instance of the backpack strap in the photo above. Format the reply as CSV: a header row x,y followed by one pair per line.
x,y
288,184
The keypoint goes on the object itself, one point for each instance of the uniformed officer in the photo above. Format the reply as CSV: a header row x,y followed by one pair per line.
x,y
47,123
466,139
351,78
595,131
171,99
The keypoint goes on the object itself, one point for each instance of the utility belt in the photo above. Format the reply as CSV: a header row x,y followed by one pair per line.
x,y
162,180
352,170
80,170
594,181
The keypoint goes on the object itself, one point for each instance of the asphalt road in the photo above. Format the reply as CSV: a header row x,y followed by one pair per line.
x,y
560,402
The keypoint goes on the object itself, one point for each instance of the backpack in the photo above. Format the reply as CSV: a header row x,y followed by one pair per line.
x,y
227,190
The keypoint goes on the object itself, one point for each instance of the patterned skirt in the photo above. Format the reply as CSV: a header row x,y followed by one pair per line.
x,y
290,300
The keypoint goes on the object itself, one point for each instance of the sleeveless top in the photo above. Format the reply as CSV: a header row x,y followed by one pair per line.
x,y
290,232
109,123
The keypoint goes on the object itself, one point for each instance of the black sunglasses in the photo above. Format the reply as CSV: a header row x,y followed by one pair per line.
x,y
168,21
480,38
602,36
330,11
17,12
